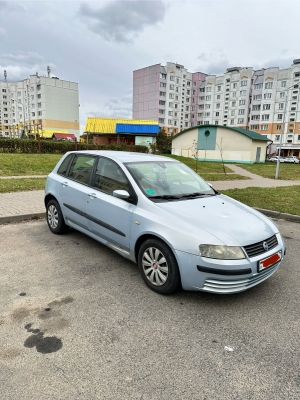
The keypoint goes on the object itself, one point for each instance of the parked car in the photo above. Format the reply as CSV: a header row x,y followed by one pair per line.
x,y
275,158
160,214
292,159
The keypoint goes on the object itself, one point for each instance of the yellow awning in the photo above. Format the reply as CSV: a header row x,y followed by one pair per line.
x,y
108,125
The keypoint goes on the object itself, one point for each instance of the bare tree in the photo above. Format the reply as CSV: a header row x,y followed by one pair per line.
x,y
221,148
195,152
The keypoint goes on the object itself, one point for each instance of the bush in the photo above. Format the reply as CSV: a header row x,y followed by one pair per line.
x,y
53,147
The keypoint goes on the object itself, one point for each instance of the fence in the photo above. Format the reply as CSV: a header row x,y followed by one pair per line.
x,y
51,147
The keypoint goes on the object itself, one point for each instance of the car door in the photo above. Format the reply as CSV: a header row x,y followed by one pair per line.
x,y
109,217
74,190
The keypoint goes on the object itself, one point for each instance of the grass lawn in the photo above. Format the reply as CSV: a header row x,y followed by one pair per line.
x,y
203,166
286,171
282,199
27,164
21,185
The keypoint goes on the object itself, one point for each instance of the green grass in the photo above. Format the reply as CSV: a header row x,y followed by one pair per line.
x,y
27,164
203,166
222,177
267,170
282,199
21,185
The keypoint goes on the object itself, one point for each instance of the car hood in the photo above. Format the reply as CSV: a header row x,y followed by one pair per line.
x,y
228,220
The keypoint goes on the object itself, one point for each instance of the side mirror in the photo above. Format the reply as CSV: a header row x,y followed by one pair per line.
x,y
121,194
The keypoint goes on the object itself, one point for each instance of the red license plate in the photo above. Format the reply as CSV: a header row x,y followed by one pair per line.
x,y
269,261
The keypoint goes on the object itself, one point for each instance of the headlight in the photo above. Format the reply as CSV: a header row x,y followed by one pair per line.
x,y
221,252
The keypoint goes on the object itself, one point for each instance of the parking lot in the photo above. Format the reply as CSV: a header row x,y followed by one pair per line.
x,y
77,322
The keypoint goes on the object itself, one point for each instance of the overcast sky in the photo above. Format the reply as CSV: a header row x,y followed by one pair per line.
x,y
98,44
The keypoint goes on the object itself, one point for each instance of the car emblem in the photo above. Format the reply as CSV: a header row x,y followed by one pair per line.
x,y
265,246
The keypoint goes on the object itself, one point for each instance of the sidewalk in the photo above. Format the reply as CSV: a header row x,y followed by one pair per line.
x,y
18,206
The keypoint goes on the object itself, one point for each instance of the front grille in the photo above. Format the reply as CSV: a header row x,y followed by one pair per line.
x,y
233,286
256,249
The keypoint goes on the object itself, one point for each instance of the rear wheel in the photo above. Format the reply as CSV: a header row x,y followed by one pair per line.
x,y
158,267
55,218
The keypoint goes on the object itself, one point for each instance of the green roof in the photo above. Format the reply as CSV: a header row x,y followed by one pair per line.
x,y
251,134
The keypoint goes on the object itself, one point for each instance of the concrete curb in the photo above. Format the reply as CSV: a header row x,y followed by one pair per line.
x,y
279,215
24,217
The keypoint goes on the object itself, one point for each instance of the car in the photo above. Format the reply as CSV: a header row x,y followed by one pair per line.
x,y
275,158
291,159
160,214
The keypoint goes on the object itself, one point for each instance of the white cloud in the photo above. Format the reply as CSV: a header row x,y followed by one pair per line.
x,y
121,21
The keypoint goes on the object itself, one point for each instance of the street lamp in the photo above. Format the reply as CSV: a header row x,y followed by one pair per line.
x,y
280,142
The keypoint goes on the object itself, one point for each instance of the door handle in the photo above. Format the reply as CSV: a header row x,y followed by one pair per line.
x,y
64,183
92,195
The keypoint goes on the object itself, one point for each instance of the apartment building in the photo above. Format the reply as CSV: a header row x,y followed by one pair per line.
x,y
37,105
265,101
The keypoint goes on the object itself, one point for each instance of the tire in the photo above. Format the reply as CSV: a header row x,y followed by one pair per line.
x,y
158,267
55,219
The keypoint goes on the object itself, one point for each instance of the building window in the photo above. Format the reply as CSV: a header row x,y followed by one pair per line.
x,y
257,97
278,127
217,114
256,107
187,108
255,117
208,89
267,95
283,83
254,127
266,106
277,137
207,114
233,94
268,85
233,103
161,111
232,112
241,111
39,105
171,95
207,105
281,106
243,83
171,87
232,122
163,85
162,94
202,90
242,102
264,127
243,93
170,113
169,121
265,117
258,86
33,114
161,120
172,78
234,86
282,95
219,88
218,97
40,113
240,120
279,116
170,104
161,102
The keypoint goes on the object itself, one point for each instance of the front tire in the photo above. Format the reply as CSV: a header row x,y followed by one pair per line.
x,y
158,267
55,219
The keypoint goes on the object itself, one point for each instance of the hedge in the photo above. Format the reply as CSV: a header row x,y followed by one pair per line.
x,y
52,147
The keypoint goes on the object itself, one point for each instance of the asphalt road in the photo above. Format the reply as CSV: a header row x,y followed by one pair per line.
x,y
77,322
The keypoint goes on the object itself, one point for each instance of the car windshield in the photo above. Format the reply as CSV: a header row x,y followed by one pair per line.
x,y
164,181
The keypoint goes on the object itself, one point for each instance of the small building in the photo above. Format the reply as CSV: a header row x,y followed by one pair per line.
x,y
64,136
217,143
117,130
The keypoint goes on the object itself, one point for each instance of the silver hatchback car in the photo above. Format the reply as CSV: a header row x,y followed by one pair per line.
x,y
160,214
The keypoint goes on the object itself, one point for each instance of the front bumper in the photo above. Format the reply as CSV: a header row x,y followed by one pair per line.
x,y
222,276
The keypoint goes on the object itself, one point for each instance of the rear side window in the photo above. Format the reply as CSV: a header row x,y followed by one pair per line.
x,y
62,170
81,168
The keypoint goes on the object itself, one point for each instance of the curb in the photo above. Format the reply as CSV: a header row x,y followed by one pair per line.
x,y
279,215
269,213
24,217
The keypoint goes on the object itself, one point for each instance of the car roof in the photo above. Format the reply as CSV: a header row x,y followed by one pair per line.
x,y
125,156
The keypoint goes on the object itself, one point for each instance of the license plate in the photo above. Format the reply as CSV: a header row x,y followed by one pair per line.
x,y
269,261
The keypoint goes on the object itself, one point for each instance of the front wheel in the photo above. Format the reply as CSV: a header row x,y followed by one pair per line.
x,y
158,267
55,218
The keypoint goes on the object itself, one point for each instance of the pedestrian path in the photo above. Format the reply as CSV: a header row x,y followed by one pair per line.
x,y
19,206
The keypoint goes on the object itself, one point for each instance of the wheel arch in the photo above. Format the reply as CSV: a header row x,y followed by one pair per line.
x,y
49,197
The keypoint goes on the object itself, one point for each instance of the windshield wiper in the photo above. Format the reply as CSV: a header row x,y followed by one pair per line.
x,y
165,196
197,194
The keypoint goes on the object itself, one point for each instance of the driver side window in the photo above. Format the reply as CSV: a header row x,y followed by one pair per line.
x,y
110,177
